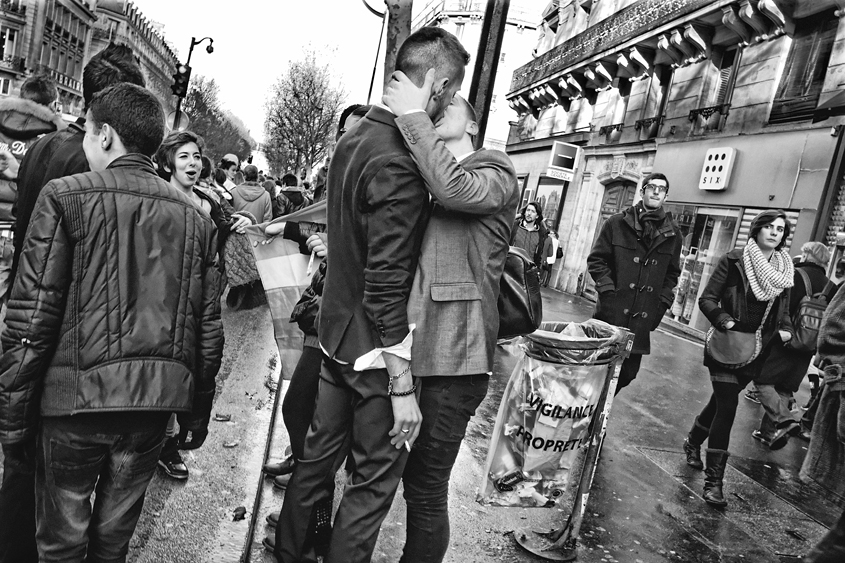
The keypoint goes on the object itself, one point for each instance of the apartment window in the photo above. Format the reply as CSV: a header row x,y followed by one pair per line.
x,y
806,66
7,42
459,30
726,77
658,92
5,86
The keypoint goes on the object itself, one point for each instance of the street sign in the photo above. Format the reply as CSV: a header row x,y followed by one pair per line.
x,y
563,161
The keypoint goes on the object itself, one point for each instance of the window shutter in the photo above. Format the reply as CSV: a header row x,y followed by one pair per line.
x,y
724,85
748,215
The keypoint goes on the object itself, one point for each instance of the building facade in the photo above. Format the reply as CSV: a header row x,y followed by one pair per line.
x,y
719,95
46,37
464,19
121,21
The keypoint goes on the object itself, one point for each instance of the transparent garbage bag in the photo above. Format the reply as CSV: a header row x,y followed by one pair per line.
x,y
559,377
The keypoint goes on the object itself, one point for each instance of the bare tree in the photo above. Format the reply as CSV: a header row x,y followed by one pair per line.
x,y
222,132
302,113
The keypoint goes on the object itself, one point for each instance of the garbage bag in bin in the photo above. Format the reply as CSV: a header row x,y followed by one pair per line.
x,y
557,379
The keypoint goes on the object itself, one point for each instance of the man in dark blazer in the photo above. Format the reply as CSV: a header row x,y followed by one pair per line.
x,y
453,299
635,263
378,209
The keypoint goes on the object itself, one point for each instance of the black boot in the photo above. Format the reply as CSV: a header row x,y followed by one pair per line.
x,y
714,474
692,445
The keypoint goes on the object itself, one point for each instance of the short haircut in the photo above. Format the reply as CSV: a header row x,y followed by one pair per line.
x,y
290,179
361,111
656,176
270,187
431,47
767,218
114,64
816,252
470,111
220,176
225,164
40,89
250,173
134,113
344,115
166,153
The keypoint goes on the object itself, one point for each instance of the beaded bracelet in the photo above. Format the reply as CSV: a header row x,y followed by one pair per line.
x,y
393,393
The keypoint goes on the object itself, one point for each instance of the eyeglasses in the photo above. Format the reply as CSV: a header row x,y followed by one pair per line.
x,y
656,188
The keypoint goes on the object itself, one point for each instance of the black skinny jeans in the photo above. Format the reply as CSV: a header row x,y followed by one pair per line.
x,y
719,413
298,406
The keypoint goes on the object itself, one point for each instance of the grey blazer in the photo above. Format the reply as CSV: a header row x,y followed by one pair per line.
x,y
456,287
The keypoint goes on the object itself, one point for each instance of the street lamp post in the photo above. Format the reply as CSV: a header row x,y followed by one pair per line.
x,y
210,49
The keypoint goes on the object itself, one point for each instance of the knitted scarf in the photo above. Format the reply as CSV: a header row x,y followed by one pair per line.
x,y
649,220
768,278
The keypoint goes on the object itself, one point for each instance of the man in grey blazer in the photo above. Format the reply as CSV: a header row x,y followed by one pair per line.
x,y
453,296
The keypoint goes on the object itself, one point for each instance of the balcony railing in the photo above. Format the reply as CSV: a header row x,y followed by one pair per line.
x,y
649,127
712,117
611,133
14,8
15,64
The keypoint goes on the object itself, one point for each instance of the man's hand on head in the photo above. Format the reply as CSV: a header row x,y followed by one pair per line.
x,y
403,96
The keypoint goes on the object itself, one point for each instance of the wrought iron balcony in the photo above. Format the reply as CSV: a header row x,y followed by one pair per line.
x,y
15,64
648,122
608,129
707,113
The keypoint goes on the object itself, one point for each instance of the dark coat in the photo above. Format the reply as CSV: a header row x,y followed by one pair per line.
x,y
786,367
635,282
725,299
825,460
378,210
537,252
85,334
52,156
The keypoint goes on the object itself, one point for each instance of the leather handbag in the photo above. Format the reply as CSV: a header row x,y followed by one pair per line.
x,y
520,303
732,349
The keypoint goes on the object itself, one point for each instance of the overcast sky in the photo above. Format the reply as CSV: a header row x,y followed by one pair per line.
x,y
255,39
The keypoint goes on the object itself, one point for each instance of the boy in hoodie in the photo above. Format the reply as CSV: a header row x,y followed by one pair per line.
x,y
252,197
22,121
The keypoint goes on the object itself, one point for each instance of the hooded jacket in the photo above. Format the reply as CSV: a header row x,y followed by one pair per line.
x,y
21,123
253,198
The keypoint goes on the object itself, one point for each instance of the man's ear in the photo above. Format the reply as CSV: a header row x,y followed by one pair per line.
x,y
106,137
440,86
472,128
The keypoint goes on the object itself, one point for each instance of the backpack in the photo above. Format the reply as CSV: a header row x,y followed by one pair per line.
x,y
520,303
808,318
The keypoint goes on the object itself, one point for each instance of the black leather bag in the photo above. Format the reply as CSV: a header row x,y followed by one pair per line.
x,y
733,350
520,303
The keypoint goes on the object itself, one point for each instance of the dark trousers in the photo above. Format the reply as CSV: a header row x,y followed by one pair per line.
x,y
546,274
353,416
447,404
831,548
69,467
298,406
17,508
719,413
629,370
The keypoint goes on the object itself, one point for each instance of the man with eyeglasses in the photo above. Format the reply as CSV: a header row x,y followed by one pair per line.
x,y
635,263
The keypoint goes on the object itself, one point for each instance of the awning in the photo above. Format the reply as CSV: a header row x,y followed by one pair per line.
x,y
833,106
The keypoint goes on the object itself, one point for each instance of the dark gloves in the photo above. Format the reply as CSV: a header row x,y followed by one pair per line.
x,y
192,439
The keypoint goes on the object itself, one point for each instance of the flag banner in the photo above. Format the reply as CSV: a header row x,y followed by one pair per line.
x,y
285,273
547,418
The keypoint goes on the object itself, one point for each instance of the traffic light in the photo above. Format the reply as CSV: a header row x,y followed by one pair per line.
x,y
180,80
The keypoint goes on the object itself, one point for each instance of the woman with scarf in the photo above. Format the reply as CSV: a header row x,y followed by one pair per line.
x,y
748,290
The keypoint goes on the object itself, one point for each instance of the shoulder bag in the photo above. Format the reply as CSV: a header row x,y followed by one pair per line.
x,y
520,303
732,349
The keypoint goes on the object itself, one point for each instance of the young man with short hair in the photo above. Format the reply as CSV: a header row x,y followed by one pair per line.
x,y
97,358
635,263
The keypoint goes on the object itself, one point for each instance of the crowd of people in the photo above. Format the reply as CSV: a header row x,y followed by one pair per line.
x,y
120,240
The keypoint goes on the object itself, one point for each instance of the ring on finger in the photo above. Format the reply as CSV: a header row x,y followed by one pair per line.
x,y
405,430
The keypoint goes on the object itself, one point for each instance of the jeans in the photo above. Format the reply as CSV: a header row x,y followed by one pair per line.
x,y
447,404
298,406
17,507
70,466
776,405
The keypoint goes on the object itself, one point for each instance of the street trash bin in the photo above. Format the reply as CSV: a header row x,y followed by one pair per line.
x,y
551,424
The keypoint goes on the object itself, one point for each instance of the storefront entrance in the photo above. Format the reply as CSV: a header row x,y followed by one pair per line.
x,y
617,196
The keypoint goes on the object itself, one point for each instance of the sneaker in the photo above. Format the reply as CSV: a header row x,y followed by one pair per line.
x,y
174,466
757,435
752,396
781,436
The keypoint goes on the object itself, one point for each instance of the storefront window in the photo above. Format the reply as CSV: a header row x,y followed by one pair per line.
x,y
708,233
550,194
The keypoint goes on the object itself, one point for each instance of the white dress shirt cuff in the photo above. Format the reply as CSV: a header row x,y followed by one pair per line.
x,y
374,360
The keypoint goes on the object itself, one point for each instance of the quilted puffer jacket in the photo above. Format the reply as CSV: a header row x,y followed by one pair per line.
x,y
116,306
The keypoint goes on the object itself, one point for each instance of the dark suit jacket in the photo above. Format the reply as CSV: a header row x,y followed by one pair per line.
x,y
456,288
377,213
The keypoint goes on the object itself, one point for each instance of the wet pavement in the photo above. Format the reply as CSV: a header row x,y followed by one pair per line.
x,y
645,505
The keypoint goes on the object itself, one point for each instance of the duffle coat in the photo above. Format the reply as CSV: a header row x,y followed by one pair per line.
x,y
635,281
